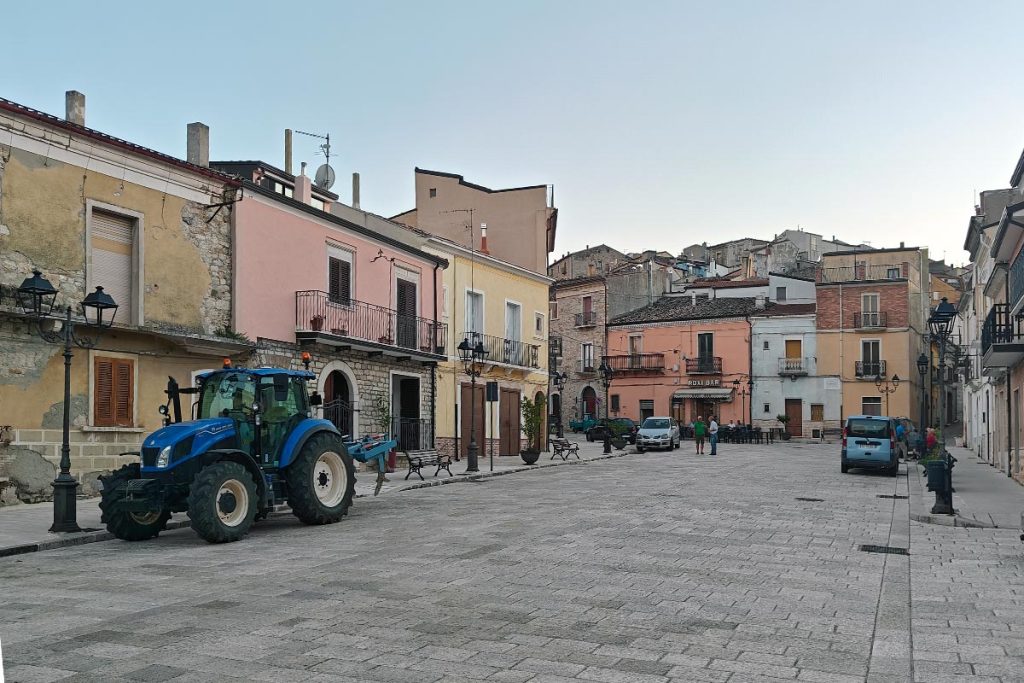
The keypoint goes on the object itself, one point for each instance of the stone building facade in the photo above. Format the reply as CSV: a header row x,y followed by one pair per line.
x,y
578,323
88,210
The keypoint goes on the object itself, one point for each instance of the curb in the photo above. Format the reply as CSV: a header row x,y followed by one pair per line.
x,y
923,514
98,536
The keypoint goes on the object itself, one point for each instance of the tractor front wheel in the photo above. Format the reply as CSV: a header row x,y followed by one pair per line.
x,y
128,526
222,502
321,481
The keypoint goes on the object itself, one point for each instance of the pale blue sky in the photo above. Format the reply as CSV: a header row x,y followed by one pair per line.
x,y
659,123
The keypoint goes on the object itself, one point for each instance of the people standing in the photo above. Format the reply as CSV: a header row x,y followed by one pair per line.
x,y
901,440
713,431
698,434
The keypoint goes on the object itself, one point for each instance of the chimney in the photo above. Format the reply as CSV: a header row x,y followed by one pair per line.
x,y
759,302
288,151
355,190
483,239
198,144
901,245
303,187
74,107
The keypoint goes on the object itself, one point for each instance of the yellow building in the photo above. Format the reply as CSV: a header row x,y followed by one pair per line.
x,y
89,210
871,316
504,307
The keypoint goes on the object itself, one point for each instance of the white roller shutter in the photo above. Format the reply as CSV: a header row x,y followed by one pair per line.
x,y
112,239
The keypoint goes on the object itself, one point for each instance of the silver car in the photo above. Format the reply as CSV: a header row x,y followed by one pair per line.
x,y
657,432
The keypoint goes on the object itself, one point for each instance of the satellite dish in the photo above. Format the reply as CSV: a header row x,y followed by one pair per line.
x,y
324,177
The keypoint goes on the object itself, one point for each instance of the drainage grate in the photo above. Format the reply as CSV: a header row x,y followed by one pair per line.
x,y
893,496
811,500
885,549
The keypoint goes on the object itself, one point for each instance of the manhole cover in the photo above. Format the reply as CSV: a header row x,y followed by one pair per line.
x,y
811,500
893,496
885,549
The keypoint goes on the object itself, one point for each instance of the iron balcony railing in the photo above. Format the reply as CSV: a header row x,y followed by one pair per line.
x,y
1000,328
868,319
555,346
413,434
1017,278
869,369
704,365
509,351
636,362
863,271
794,366
316,311
586,319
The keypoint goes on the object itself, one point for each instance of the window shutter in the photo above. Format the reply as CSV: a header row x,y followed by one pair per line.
x,y
123,393
112,240
340,280
104,393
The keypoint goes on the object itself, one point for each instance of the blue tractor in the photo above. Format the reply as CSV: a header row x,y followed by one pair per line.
x,y
253,444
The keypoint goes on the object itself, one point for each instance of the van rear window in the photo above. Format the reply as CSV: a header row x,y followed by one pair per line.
x,y
878,429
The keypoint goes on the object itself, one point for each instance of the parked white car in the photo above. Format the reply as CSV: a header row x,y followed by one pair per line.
x,y
657,432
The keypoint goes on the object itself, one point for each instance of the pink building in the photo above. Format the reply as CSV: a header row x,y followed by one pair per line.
x,y
682,358
364,304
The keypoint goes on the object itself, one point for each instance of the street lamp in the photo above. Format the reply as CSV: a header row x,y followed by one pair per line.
x,y
606,381
36,298
559,379
941,325
922,370
471,354
887,386
745,389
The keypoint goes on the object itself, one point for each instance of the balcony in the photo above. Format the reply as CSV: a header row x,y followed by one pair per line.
x,y
586,319
869,369
707,365
636,362
507,351
367,327
867,320
863,271
1002,344
793,367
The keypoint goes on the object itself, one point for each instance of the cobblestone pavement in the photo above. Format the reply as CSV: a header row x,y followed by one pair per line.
x,y
739,567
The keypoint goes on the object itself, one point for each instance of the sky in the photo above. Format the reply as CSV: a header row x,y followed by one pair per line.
x,y
659,124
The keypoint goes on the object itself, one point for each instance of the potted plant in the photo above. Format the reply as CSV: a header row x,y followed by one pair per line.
x,y
533,425
317,322
784,419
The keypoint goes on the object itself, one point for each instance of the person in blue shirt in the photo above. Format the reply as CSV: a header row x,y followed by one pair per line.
x,y
901,442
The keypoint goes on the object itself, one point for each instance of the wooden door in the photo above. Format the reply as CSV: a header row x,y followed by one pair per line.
x,y
466,413
795,413
508,425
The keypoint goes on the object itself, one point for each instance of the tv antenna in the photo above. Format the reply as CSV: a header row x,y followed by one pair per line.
x,y
325,175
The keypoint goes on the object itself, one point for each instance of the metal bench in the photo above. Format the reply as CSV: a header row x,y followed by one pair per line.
x,y
419,461
564,448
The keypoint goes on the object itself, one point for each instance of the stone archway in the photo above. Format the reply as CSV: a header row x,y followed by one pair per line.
x,y
338,377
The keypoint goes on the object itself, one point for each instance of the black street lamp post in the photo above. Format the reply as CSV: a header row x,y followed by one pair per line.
x,y
559,379
745,389
941,325
36,298
471,354
887,386
606,382
922,370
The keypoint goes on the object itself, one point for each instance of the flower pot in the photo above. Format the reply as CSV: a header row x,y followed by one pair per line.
x,y
317,323
530,455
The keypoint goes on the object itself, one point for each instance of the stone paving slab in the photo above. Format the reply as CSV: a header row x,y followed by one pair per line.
x,y
660,567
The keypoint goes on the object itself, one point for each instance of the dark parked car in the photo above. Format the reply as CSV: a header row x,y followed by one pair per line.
x,y
620,426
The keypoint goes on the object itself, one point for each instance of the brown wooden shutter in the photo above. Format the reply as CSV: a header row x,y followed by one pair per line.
x,y
340,280
114,392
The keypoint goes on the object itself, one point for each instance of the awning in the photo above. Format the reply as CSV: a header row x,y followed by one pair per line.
x,y
708,394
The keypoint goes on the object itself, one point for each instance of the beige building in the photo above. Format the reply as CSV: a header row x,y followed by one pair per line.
x,y
520,222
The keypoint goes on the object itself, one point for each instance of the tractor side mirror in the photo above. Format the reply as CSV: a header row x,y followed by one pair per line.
x,y
316,399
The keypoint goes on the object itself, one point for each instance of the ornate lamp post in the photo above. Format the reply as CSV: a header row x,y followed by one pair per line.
x,y
559,379
36,298
922,370
471,354
606,381
887,386
941,325
745,389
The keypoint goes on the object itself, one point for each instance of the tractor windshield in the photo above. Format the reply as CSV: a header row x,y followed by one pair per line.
x,y
227,394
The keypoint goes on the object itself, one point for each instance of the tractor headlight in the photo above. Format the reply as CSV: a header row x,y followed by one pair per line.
x,y
164,458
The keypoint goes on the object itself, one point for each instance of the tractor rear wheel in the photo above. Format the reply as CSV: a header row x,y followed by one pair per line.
x,y
222,502
321,481
128,526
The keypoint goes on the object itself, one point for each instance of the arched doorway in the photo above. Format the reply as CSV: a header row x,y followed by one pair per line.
x,y
336,385
588,399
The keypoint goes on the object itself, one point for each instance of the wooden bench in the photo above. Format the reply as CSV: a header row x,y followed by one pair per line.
x,y
419,461
564,448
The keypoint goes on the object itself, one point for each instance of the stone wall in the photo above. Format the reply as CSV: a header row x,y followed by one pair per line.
x,y
569,301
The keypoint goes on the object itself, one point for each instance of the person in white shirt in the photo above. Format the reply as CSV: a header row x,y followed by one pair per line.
x,y
713,432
